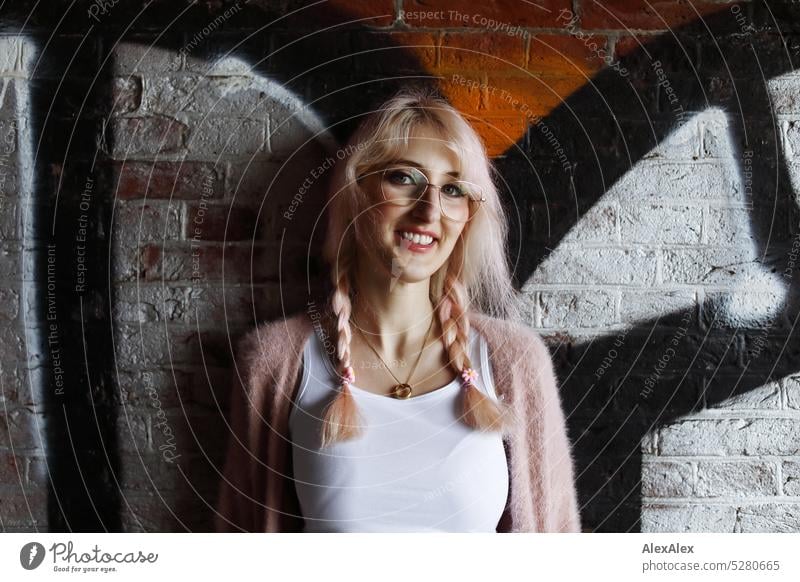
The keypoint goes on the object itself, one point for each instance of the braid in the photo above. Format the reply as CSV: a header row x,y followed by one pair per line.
x,y
341,420
479,411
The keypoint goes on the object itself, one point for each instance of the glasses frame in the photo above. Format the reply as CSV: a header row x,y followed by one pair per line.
x,y
477,202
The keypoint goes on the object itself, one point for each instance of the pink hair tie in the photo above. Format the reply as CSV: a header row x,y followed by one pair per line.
x,y
469,375
349,376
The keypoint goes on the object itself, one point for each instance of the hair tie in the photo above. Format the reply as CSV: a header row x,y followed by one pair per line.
x,y
469,375
349,376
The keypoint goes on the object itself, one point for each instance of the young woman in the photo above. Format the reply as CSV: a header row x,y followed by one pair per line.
x,y
411,399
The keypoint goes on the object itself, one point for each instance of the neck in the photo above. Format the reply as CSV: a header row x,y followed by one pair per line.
x,y
394,318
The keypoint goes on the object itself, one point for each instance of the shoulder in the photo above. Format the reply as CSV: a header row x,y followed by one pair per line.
x,y
515,340
273,342
522,367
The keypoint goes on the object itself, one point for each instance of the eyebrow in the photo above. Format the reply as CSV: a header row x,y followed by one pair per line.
x,y
416,165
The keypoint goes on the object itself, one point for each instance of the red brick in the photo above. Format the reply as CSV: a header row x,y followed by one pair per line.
x,y
245,304
179,264
566,54
500,133
136,387
18,429
140,221
220,222
28,508
464,91
488,14
644,14
12,469
188,180
629,44
461,52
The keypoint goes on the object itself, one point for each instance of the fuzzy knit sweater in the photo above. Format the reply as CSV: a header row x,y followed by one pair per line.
x,y
257,493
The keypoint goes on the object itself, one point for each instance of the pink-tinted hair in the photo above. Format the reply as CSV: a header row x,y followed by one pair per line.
x,y
475,276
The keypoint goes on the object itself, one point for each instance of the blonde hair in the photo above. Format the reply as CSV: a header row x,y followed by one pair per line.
x,y
475,276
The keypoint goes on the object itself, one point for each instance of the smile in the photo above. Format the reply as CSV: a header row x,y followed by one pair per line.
x,y
418,243
423,239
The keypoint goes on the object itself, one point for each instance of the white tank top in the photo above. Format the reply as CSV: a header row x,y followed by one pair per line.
x,y
415,468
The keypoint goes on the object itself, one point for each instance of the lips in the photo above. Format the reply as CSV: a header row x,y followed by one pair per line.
x,y
415,242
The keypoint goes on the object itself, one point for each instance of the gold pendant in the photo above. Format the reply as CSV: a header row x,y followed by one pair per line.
x,y
402,391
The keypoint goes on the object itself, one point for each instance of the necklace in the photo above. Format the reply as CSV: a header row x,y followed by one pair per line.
x,y
401,390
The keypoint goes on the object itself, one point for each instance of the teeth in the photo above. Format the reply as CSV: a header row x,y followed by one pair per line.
x,y
419,239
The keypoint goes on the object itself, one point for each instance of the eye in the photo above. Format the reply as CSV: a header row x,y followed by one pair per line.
x,y
402,177
455,190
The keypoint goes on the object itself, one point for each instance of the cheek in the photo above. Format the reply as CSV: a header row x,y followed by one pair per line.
x,y
385,215
453,233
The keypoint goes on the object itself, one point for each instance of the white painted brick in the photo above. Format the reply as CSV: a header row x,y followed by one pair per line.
x,y
229,96
684,143
745,306
785,94
715,135
791,478
736,478
791,138
770,518
688,518
755,436
649,443
655,181
11,267
590,266
144,303
8,136
215,136
729,226
793,169
18,55
224,66
711,266
9,304
655,223
598,225
578,309
720,388
792,388
145,136
638,306
11,55
666,479
10,216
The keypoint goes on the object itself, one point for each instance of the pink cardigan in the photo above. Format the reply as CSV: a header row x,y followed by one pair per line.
x,y
257,493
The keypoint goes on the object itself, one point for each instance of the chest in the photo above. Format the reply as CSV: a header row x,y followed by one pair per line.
x,y
433,371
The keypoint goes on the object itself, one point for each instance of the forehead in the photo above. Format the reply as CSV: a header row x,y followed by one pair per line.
x,y
430,149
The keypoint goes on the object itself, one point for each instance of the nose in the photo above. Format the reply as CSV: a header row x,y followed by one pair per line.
x,y
427,206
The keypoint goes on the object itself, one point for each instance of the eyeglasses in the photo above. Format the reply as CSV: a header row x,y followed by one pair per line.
x,y
405,185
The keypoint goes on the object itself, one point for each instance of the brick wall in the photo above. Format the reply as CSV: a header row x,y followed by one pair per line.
x,y
23,496
647,163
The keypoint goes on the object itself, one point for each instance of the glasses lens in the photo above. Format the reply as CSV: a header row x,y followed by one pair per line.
x,y
403,185
460,200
